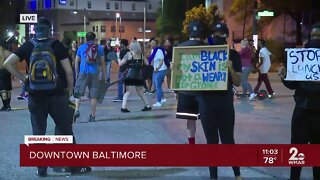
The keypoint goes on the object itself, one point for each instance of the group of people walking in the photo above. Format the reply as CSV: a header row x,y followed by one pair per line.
x,y
251,60
49,95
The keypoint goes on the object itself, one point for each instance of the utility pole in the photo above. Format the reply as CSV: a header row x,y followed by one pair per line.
x,y
245,19
254,26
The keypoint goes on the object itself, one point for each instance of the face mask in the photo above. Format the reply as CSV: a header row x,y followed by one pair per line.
x,y
218,40
313,43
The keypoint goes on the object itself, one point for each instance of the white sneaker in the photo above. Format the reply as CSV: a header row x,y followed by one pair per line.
x,y
157,104
163,100
252,96
271,95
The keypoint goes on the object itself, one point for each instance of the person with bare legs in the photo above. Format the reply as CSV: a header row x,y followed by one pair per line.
x,y
133,59
90,56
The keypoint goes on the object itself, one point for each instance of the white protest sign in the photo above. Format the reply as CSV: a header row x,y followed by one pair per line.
x,y
303,64
48,139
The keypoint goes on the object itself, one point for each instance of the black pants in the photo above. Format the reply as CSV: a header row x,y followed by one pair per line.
x,y
57,106
305,128
217,120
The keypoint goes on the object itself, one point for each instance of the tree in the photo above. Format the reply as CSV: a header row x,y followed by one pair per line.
x,y
207,17
170,21
294,8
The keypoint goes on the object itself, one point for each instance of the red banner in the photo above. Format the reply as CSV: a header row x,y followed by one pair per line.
x,y
169,155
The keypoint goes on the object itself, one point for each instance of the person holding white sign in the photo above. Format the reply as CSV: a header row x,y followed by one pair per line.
x,y
305,124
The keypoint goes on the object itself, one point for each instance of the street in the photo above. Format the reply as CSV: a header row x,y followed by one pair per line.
x,y
257,122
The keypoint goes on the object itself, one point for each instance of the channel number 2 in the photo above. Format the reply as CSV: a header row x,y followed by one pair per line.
x,y
295,155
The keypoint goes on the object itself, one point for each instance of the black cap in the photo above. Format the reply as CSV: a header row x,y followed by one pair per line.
x,y
195,29
44,21
222,28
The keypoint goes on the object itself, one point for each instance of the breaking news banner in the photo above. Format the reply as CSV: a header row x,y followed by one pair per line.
x,y
47,139
168,155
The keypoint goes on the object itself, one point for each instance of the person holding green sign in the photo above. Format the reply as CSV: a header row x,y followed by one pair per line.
x,y
216,107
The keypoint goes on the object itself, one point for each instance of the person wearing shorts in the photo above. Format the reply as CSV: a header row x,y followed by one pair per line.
x,y
188,109
5,79
88,76
187,102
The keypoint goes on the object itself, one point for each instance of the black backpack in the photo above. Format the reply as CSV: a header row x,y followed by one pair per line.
x,y
43,67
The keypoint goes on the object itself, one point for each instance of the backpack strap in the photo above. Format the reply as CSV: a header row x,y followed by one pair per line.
x,y
34,41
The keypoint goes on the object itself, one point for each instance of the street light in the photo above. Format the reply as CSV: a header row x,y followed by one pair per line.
x,y
118,16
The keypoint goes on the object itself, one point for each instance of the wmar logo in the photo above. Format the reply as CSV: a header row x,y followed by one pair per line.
x,y
296,158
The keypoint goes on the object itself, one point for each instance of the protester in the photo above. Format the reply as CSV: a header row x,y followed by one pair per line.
x,y
5,79
90,56
263,66
305,124
159,71
134,59
108,62
23,94
51,96
246,54
148,70
73,51
168,44
124,49
187,103
218,118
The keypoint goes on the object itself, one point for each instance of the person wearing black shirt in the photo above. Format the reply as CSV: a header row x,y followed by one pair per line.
x,y
305,124
216,107
187,107
54,102
168,44
124,49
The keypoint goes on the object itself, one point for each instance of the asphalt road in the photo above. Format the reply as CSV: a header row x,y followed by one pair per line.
x,y
257,122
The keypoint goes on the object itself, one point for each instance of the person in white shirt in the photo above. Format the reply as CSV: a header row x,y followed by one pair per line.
x,y
159,72
264,66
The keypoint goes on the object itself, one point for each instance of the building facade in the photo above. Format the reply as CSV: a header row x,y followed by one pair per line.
x,y
107,18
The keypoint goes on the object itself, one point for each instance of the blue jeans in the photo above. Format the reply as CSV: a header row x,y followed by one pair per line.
x,y
246,86
108,70
158,78
120,85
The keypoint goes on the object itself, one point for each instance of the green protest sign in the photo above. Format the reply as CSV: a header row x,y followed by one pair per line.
x,y
200,68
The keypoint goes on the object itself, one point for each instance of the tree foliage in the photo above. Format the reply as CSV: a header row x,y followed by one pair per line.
x,y
207,17
169,21
294,8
